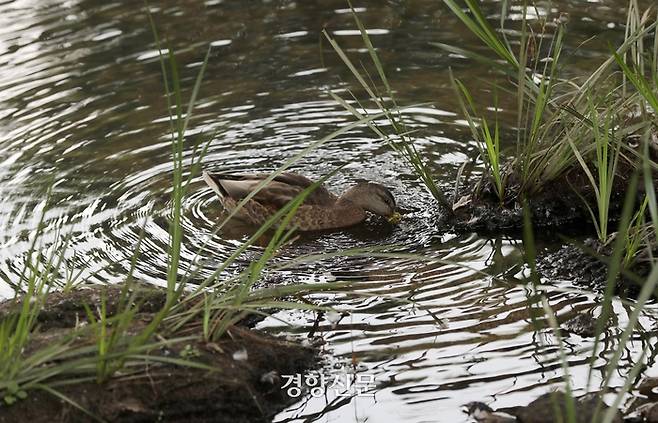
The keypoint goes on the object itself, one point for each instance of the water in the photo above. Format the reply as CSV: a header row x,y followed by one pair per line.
x,y
82,106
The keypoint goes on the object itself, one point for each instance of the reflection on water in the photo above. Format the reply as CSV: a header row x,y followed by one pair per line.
x,y
82,107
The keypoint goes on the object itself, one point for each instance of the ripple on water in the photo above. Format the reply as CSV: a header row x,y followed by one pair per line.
x,y
82,108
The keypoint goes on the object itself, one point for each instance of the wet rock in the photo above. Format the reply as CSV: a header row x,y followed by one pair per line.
x,y
646,413
482,413
548,408
585,265
572,263
476,408
558,204
649,388
552,408
583,324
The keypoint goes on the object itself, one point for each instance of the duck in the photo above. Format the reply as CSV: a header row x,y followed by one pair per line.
x,y
321,210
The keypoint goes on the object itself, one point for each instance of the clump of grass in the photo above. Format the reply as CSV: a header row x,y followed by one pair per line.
x,y
586,126
114,349
487,140
607,148
20,371
15,330
538,158
565,124
560,123
640,68
615,266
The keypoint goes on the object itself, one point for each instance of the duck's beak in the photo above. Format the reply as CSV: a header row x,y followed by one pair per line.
x,y
394,218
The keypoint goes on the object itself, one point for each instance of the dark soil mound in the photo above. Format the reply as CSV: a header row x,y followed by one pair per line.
x,y
244,389
66,309
558,205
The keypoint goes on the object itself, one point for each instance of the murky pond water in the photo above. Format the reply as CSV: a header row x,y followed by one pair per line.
x,y
82,106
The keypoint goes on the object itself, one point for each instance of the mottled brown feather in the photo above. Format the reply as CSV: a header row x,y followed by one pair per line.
x,y
321,210
278,192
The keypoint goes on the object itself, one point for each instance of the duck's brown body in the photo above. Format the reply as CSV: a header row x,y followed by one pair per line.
x,y
321,210
306,218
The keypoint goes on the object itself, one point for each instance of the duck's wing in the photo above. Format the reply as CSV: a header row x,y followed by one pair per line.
x,y
278,192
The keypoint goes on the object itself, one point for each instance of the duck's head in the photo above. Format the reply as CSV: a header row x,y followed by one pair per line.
x,y
375,198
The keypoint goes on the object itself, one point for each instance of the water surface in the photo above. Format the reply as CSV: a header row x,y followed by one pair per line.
x,y
82,107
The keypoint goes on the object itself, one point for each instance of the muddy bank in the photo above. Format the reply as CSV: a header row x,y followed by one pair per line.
x,y
242,381
559,205
66,309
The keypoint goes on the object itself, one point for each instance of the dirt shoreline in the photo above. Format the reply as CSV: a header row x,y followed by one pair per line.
x,y
558,205
242,387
